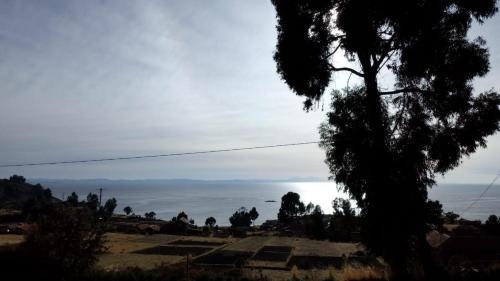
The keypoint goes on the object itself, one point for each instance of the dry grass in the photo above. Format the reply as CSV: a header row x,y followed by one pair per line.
x,y
351,273
158,239
281,275
307,247
119,243
121,261
10,239
250,244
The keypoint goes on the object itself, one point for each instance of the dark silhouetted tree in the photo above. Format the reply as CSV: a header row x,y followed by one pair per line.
x,y
68,237
241,218
382,146
492,224
150,215
317,226
310,208
210,222
451,217
492,220
17,179
127,210
182,215
253,214
343,220
291,207
434,214
108,208
72,199
93,201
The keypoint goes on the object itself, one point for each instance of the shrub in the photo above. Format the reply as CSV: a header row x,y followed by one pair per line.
x,y
68,237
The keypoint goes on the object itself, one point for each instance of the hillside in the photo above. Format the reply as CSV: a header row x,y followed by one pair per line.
x,y
15,192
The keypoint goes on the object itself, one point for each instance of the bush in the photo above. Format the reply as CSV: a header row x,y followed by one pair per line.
x,y
68,237
241,218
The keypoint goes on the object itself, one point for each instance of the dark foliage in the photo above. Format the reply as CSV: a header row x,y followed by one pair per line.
x,y
182,215
254,214
127,210
241,218
385,147
343,221
150,215
434,214
67,237
315,225
16,193
210,221
17,179
72,199
451,217
291,207
492,225
92,201
109,207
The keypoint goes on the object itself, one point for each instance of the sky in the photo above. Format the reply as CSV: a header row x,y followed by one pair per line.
x,y
98,79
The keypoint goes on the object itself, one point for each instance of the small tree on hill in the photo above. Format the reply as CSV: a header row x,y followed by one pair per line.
x,y
127,210
182,215
17,179
451,217
310,208
210,222
93,201
241,218
291,207
108,208
492,220
253,214
72,199
150,215
492,224
342,222
317,226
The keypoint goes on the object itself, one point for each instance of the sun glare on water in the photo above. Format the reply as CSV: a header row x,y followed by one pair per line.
x,y
319,193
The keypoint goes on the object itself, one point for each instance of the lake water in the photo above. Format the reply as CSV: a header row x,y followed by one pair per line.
x,y
201,199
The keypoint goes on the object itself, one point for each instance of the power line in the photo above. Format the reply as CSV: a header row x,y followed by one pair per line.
x,y
156,155
480,196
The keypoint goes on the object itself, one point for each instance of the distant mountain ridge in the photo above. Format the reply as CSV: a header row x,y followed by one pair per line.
x,y
155,182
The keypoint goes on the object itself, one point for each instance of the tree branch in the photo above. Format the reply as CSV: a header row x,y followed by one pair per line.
x,y
404,90
346,69
334,51
399,117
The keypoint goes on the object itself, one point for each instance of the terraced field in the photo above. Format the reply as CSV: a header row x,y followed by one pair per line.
x,y
278,257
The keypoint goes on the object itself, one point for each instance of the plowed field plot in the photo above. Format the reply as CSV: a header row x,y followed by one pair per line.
x,y
308,262
223,258
273,253
196,243
174,250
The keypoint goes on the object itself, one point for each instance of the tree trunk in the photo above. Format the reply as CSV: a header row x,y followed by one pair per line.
x,y
382,191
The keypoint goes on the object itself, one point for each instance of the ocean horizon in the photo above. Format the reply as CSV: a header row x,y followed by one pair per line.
x,y
221,198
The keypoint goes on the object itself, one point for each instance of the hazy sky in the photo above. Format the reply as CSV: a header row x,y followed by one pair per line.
x,y
92,79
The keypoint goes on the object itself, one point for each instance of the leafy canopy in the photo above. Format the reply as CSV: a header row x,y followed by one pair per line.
x,y
291,207
382,146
